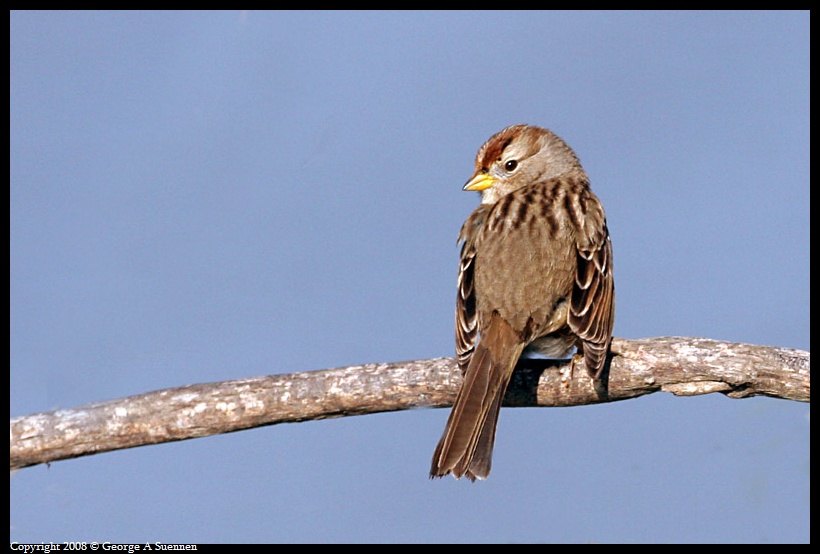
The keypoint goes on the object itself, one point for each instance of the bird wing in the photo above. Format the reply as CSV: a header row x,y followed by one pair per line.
x,y
592,307
466,315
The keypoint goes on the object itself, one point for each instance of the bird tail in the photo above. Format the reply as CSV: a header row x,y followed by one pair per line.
x,y
466,447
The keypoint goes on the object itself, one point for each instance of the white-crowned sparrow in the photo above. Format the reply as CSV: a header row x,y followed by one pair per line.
x,y
535,273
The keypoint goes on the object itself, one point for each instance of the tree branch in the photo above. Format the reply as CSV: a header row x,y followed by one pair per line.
x,y
680,365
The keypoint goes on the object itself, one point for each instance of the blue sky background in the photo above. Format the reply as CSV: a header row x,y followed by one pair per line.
x,y
199,197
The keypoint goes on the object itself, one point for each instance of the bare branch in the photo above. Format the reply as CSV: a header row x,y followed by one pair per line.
x,y
680,365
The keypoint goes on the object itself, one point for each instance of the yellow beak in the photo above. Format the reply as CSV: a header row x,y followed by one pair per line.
x,y
480,182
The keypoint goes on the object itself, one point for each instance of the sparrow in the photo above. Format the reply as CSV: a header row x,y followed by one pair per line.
x,y
535,275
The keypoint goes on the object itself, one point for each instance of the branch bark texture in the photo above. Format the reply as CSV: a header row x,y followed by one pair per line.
x,y
680,365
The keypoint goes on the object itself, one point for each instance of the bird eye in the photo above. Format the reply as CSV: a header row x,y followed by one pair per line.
x,y
510,165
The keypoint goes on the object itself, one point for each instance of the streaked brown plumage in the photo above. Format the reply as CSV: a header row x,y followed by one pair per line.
x,y
535,273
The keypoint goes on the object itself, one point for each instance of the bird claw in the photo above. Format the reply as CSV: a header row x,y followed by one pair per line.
x,y
568,370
